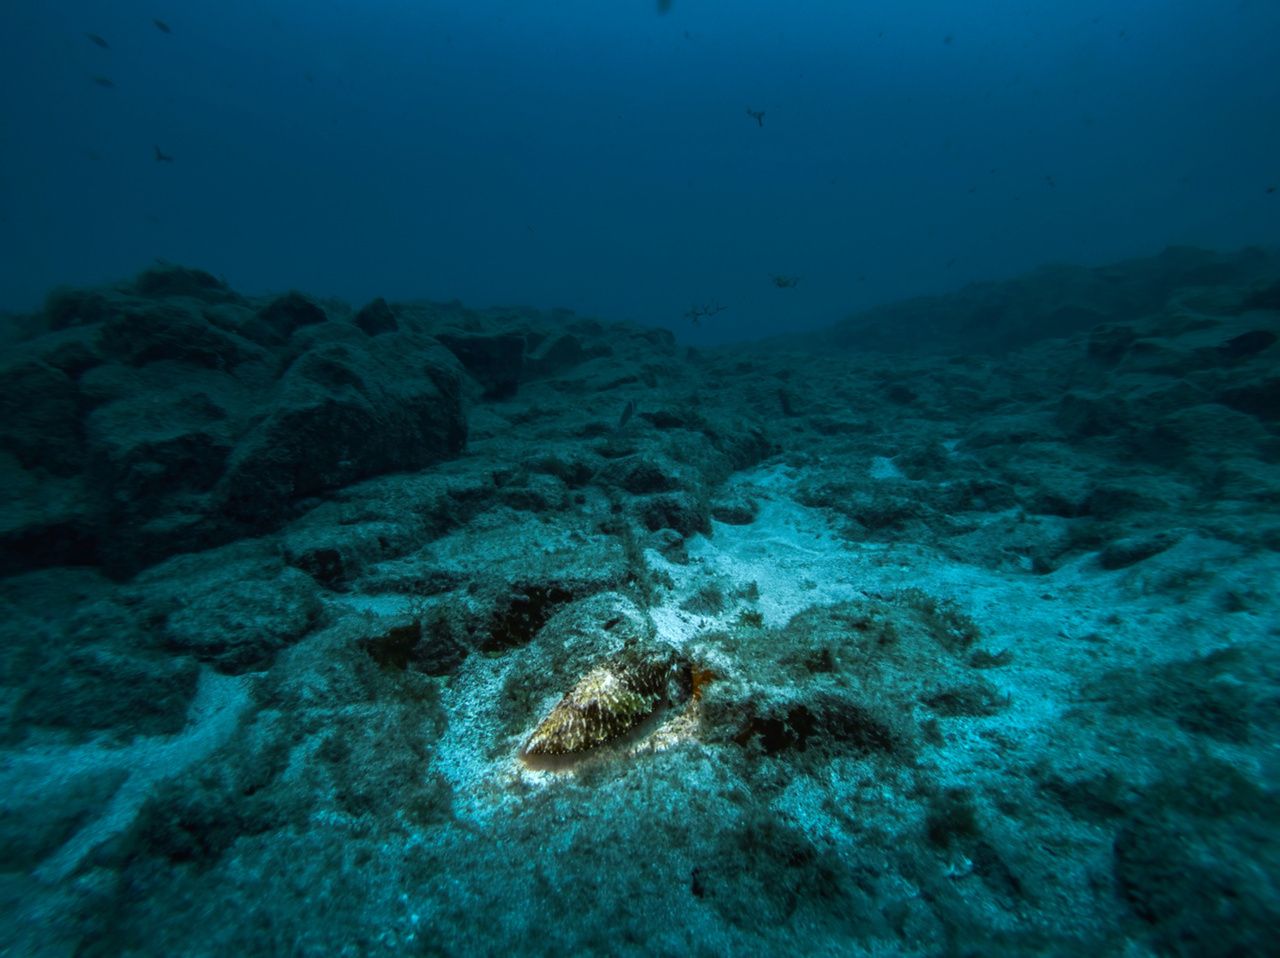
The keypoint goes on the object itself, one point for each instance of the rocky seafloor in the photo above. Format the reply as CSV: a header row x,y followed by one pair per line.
x,y
423,630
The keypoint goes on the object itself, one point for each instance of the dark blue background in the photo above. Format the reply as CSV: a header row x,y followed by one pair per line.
x,y
598,155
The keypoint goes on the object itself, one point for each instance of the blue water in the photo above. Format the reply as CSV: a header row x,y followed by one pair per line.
x,y
647,477
600,156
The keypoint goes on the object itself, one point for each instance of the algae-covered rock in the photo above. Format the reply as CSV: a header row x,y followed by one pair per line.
x,y
78,660
235,607
344,413
152,332
376,318
495,360
169,280
282,317
858,677
40,417
110,687
46,520
36,819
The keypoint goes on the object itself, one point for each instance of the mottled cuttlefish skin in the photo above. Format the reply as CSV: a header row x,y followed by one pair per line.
x,y
605,704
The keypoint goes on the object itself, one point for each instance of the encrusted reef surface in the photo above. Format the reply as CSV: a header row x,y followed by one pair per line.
x,y
422,630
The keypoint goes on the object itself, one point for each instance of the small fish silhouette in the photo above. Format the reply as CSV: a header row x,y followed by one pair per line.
x,y
161,26
627,412
757,115
697,313
98,41
161,156
105,82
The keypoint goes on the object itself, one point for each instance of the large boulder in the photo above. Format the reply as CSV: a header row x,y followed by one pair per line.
x,y
377,318
496,360
169,414
241,625
345,413
40,417
148,332
281,318
168,280
155,463
45,520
